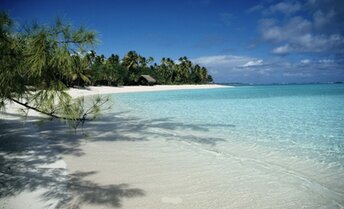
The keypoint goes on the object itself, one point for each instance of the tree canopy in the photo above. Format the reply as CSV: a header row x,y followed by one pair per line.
x,y
126,71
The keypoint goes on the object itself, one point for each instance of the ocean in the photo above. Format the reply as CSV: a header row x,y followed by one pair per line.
x,y
278,134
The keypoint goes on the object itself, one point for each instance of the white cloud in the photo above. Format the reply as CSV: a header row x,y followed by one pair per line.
x,y
305,61
326,61
322,30
227,61
222,66
281,7
252,63
297,74
226,68
298,37
285,7
281,50
321,19
230,68
291,30
255,8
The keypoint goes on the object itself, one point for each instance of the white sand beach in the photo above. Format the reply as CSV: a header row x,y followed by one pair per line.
x,y
94,90
44,164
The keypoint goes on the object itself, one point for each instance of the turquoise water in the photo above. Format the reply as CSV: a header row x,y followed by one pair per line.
x,y
305,120
284,143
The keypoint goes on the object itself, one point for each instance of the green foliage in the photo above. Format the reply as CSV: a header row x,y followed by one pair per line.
x,y
107,72
37,65
114,71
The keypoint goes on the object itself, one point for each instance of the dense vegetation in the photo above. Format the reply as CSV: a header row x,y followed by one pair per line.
x,y
126,71
39,62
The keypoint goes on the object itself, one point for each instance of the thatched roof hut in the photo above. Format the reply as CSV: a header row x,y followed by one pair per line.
x,y
146,80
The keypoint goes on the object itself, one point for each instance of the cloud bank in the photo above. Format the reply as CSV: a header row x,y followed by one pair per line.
x,y
313,26
244,69
305,39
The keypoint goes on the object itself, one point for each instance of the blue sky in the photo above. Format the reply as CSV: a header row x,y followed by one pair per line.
x,y
238,41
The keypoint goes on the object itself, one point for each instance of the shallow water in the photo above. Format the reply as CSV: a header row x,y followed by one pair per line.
x,y
284,144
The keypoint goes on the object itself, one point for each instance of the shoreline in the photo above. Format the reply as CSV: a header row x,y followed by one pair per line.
x,y
49,153
12,110
101,90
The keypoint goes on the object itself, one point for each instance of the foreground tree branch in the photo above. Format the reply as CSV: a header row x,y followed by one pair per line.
x,y
52,115
82,115
47,59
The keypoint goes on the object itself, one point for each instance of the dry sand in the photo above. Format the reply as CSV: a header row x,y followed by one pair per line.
x,y
94,90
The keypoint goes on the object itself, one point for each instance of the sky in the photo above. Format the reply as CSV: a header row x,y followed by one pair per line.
x,y
269,41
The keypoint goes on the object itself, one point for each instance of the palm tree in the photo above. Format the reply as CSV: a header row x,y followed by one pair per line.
x,y
168,69
184,69
131,60
80,71
113,59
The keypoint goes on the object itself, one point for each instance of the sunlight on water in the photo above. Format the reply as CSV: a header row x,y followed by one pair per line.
x,y
292,133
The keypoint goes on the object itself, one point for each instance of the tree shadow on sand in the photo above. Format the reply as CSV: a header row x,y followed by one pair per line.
x,y
30,163
28,153
121,127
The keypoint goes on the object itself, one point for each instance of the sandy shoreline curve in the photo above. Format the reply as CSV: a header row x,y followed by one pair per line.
x,y
13,108
94,90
